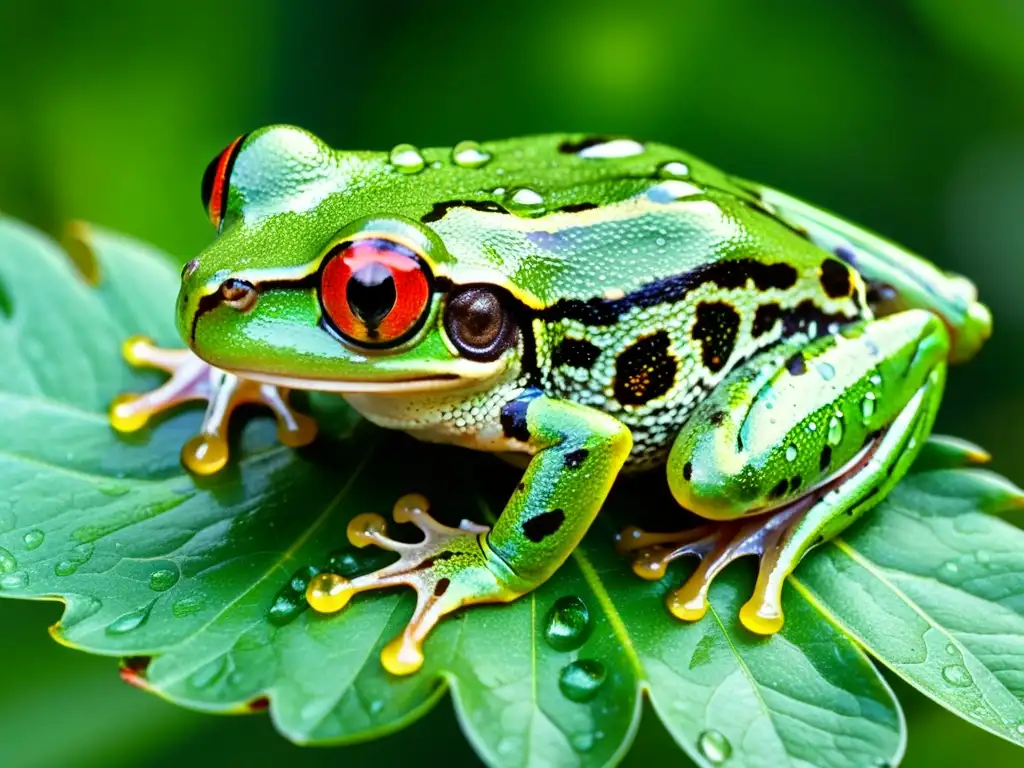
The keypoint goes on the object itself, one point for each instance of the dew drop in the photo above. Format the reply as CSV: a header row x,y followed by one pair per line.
x,y
114,489
1020,729
525,201
582,742
867,405
951,649
407,159
714,746
791,453
610,150
186,606
162,580
468,154
674,169
568,624
34,539
7,561
581,680
15,580
671,190
127,622
954,674
208,674
835,431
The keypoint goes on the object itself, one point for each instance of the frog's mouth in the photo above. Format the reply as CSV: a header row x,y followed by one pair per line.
x,y
469,376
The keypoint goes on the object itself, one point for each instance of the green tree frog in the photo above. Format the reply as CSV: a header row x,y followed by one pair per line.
x,y
594,304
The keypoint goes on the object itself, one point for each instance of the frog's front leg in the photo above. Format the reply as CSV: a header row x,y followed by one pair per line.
x,y
791,449
578,453
192,379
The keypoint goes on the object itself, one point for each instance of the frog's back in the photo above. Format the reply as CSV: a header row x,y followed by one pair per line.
x,y
645,282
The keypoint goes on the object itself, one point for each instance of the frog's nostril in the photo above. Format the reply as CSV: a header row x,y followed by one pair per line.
x,y
238,294
189,269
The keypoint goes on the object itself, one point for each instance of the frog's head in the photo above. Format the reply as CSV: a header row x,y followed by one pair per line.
x,y
322,278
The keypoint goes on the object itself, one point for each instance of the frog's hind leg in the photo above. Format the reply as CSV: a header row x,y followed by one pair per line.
x,y
192,379
792,448
896,279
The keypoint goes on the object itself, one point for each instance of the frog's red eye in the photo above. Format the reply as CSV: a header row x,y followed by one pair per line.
x,y
374,292
216,179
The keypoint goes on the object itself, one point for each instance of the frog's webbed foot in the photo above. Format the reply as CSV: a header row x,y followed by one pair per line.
x,y
192,379
717,545
449,568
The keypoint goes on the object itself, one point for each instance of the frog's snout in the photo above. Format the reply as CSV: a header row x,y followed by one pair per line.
x,y
972,334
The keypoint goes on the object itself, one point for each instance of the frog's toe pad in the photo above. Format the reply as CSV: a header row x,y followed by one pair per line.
x,y
193,379
717,545
449,568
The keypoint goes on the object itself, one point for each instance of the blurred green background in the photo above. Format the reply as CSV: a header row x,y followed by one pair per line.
x,y
906,116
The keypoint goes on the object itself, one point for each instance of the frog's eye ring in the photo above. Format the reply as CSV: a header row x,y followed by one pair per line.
x,y
216,179
375,293
478,324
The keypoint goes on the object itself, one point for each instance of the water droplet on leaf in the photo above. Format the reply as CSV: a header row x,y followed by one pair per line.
x,y
34,539
127,622
714,746
581,680
162,580
7,561
568,624
954,674
15,580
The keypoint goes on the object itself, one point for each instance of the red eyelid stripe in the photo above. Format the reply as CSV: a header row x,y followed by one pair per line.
x,y
218,195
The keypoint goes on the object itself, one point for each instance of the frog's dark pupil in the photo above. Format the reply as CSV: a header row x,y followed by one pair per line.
x,y
371,295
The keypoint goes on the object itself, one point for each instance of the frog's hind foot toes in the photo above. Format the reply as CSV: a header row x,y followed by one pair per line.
x,y
717,545
449,568
193,380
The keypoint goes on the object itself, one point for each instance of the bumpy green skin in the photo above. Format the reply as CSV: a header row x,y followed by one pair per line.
x,y
667,314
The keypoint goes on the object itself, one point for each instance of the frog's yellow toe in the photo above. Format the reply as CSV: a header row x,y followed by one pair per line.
x,y
687,604
328,593
366,529
760,618
127,414
205,454
401,656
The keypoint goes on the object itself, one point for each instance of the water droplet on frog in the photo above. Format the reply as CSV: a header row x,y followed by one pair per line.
x,y
210,673
835,431
791,452
581,680
524,201
954,674
674,169
672,190
407,159
867,405
34,539
610,150
162,580
826,371
876,380
468,154
127,622
7,561
714,746
15,580
568,624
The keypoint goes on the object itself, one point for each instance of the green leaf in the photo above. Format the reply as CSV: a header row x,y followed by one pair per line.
x,y
934,590
199,581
